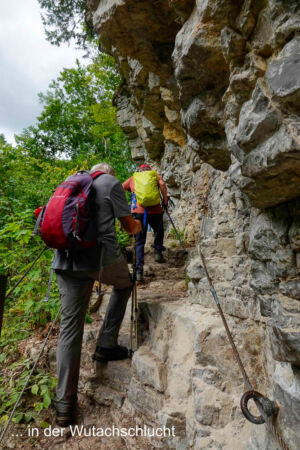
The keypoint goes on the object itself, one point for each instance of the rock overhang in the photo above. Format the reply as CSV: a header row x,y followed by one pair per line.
x,y
199,55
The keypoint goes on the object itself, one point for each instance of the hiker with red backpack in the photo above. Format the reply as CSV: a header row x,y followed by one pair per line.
x,y
79,222
145,186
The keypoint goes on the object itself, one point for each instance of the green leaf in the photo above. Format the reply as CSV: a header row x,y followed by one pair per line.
x,y
18,417
3,420
34,389
88,318
44,388
28,417
46,400
44,425
38,406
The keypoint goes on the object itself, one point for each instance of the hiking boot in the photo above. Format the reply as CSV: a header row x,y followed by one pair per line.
x,y
65,419
104,354
158,257
66,412
139,274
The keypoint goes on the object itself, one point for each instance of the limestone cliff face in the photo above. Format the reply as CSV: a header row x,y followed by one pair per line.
x,y
211,98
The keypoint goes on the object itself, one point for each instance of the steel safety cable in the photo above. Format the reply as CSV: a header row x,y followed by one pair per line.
x,y
27,271
266,407
28,378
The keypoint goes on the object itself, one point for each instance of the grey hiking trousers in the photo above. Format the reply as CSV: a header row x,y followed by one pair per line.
x,y
75,288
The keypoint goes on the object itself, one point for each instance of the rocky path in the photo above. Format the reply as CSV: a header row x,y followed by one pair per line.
x,y
107,392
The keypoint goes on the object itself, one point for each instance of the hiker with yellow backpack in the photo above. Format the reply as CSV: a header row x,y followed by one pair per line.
x,y
144,186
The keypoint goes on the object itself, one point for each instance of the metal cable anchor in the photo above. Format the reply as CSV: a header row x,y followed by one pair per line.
x,y
269,407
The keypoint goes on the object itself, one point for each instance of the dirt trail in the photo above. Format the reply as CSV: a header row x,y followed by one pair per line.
x,y
102,388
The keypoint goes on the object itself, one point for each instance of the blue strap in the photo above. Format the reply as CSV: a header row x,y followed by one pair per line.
x,y
133,204
145,217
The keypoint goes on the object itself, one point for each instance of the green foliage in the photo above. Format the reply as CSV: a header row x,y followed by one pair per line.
x,y
38,394
66,20
122,236
78,120
76,129
187,279
172,234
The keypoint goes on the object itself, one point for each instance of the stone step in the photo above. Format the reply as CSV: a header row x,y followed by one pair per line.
x,y
149,369
114,374
145,399
162,272
146,300
125,416
142,381
164,291
101,394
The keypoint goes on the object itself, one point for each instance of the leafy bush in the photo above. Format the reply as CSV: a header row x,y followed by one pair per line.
x,y
122,236
76,129
37,396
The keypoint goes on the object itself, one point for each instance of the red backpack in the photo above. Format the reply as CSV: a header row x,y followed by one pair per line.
x,y
64,220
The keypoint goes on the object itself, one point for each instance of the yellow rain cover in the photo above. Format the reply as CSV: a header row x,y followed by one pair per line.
x,y
146,188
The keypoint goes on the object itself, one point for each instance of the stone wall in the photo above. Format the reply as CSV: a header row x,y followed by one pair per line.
x,y
210,97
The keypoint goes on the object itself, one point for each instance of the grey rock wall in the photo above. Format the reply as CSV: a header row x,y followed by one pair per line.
x,y
210,97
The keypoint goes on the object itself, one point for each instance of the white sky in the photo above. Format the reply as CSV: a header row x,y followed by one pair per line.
x,y
27,64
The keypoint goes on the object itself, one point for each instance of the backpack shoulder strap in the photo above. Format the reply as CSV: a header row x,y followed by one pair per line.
x,y
96,174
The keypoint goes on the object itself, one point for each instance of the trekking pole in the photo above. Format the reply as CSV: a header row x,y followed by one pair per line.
x,y
267,408
135,298
134,304
136,312
130,353
175,229
28,378
132,297
165,208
